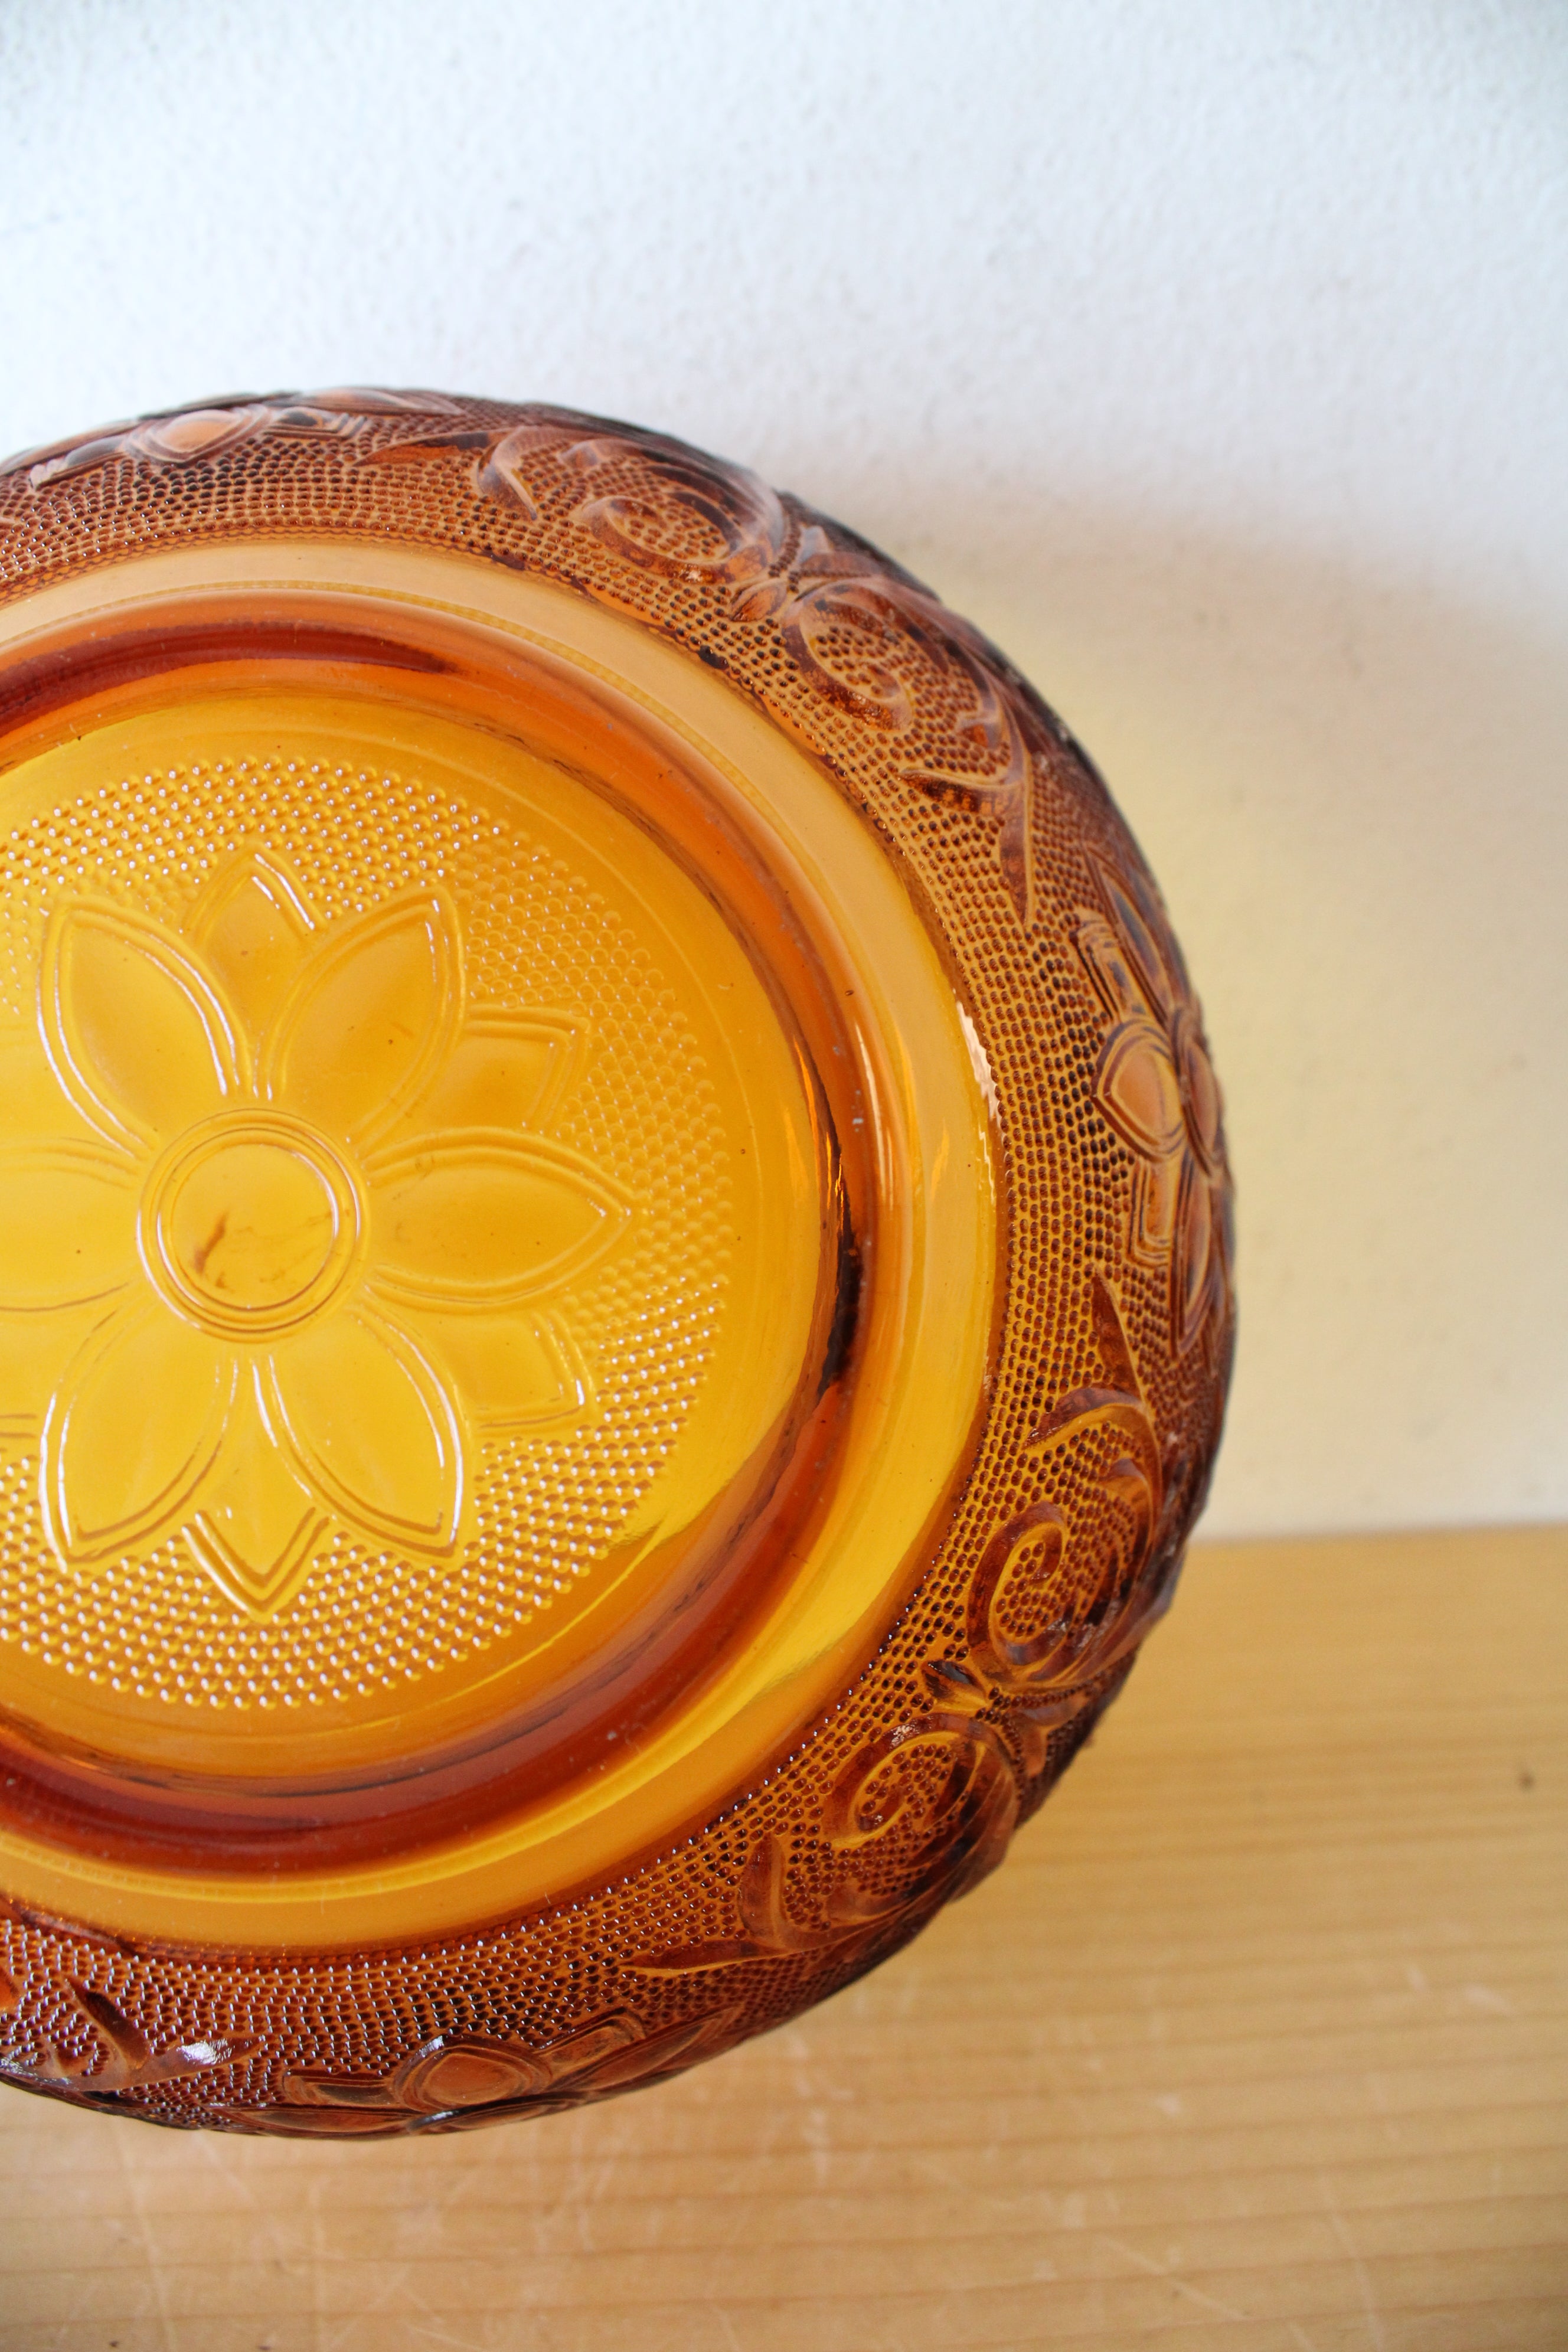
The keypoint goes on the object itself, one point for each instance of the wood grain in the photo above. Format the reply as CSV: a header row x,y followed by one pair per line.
x,y
1259,2041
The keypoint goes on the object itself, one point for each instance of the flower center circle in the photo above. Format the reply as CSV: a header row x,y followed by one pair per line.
x,y
249,1225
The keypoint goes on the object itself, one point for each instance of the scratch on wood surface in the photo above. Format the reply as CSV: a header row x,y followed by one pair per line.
x,y
1340,2229
1163,2270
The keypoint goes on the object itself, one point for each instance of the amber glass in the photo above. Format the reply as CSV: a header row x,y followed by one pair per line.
x,y
615,1287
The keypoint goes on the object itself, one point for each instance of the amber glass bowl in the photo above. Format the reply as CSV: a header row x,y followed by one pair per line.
x,y
615,1287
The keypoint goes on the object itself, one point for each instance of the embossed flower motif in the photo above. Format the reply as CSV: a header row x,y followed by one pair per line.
x,y
1156,1086
294,1183
118,2058
862,633
916,1818
188,435
457,2080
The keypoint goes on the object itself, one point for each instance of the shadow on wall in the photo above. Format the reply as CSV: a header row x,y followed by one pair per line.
x,y
1351,789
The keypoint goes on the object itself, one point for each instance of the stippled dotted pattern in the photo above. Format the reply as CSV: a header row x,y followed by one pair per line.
x,y
548,1502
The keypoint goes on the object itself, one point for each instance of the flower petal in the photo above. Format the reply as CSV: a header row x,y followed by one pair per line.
x,y
258,1527
1200,1090
676,2047
1109,968
1137,1087
1146,933
34,1351
480,1219
131,1434
1193,1259
463,2071
370,1018
195,433
31,1102
592,2045
516,1370
1156,1193
136,1032
372,1429
253,927
68,1225
505,1070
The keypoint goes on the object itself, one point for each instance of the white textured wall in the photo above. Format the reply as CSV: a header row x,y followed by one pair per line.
x,y
1211,352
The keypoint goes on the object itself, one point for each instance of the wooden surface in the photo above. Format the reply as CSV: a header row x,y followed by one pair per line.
x,y
1259,2041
